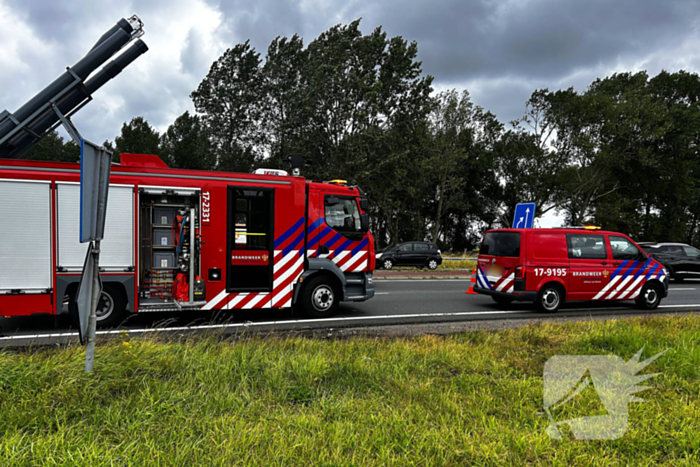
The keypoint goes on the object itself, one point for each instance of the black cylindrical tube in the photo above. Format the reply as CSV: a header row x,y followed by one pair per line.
x,y
83,68
121,24
116,66
73,99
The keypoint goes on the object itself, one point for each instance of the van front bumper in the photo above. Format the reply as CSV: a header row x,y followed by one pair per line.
x,y
518,295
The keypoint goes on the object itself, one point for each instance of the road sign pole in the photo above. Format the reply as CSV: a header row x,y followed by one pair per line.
x,y
92,319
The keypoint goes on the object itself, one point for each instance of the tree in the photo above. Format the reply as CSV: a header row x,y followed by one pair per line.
x,y
229,99
185,144
53,148
137,137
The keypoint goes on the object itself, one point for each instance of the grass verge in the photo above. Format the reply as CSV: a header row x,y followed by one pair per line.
x,y
465,399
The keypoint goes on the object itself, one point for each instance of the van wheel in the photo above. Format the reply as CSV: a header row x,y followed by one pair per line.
x,y
319,298
432,264
650,297
387,264
550,298
111,307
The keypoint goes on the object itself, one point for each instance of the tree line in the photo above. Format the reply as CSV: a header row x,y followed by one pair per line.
x,y
622,154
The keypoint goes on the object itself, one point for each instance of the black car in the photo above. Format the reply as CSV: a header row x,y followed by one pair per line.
x,y
421,254
682,261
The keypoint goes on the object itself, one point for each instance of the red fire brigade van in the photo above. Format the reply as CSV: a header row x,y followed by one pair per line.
x,y
551,266
183,240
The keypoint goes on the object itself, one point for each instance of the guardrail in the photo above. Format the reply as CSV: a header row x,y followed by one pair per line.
x,y
469,258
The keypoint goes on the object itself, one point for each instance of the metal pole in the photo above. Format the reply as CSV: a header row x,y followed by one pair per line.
x,y
92,320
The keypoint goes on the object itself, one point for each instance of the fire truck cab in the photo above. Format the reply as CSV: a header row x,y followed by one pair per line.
x,y
178,240
551,266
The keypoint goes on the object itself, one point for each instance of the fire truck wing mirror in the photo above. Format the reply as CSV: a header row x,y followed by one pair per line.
x,y
332,201
364,222
364,204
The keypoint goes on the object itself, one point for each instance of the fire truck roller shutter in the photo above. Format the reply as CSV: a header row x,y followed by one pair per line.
x,y
117,248
25,249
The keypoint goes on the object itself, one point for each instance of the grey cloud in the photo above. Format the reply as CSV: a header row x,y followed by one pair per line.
x,y
499,50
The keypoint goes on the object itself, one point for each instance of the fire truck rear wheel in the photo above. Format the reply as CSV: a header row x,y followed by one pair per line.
x,y
650,297
319,298
550,298
111,307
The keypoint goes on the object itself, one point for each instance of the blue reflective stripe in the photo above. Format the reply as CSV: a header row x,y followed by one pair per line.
x,y
617,271
333,240
486,280
630,269
318,237
651,273
343,246
641,270
289,232
359,247
292,245
316,224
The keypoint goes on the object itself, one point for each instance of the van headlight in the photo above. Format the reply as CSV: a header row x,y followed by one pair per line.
x,y
378,255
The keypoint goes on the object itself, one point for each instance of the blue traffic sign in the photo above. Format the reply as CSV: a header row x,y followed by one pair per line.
x,y
524,215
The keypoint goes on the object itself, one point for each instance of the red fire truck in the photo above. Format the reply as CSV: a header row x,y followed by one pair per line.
x,y
183,240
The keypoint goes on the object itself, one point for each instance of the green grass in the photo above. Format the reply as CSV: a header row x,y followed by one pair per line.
x,y
466,399
458,264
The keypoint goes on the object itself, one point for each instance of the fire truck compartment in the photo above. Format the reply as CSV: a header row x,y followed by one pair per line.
x,y
25,249
117,247
168,220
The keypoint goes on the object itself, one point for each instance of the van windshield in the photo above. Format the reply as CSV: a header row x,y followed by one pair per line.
x,y
501,244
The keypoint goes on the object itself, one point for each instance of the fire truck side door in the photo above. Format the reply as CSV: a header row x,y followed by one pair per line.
x,y
250,239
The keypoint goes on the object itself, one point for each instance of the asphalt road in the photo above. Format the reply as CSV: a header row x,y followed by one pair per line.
x,y
396,302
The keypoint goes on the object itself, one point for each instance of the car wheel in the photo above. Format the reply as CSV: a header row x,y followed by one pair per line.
x,y
111,307
319,298
432,264
387,264
503,301
650,297
550,298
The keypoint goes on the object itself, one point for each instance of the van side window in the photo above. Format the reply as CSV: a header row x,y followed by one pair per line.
x,y
587,247
623,249
420,246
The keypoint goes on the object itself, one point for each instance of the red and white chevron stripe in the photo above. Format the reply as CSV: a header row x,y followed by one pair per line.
x,y
347,263
287,270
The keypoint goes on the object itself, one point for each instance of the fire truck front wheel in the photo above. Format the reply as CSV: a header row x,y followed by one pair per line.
x,y
319,298
110,308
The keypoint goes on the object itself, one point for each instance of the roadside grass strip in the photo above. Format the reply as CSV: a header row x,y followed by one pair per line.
x,y
465,399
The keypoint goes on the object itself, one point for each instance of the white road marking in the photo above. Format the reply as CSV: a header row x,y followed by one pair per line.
x,y
302,321
679,289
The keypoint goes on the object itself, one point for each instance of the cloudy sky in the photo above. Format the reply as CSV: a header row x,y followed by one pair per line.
x,y
499,50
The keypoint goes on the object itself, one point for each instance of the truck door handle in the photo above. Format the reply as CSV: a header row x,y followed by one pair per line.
x,y
604,263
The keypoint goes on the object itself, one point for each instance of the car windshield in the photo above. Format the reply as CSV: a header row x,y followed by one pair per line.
x,y
387,248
